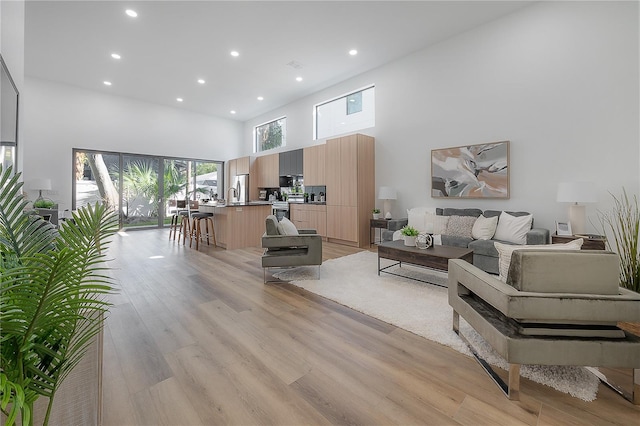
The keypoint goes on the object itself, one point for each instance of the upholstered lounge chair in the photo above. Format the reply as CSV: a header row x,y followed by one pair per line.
x,y
283,251
556,308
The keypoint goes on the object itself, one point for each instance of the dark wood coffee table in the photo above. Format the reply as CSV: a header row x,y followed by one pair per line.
x,y
435,257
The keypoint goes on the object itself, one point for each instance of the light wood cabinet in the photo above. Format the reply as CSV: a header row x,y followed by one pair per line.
x,y
350,181
266,171
235,167
342,224
238,166
243,165
314,160
238,226
309,216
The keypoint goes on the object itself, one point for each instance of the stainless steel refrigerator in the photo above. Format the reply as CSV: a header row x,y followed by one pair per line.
x,y
241,189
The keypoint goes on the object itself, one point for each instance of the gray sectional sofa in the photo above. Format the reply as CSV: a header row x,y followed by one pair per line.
x,y
485,255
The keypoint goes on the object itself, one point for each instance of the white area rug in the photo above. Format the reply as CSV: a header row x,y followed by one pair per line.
x,y
422,309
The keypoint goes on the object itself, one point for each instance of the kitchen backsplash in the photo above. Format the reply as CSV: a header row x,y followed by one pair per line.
x,y
315,190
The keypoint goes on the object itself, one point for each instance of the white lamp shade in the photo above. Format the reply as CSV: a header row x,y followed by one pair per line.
x,y
41,184
387,193
576,192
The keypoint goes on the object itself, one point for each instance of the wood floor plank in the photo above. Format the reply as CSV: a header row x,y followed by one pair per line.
x,y
475,412
167,333
195,337
338,404
141,360
115,391
257,342
159,402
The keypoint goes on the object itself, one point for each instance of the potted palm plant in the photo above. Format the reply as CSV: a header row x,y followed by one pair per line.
x,y
622,224
53,288
410,233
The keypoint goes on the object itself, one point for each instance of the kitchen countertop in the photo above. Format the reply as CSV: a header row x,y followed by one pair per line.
x,y
258,203
239,204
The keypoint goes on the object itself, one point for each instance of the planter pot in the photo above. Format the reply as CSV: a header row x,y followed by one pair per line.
x,y
376,215
409,241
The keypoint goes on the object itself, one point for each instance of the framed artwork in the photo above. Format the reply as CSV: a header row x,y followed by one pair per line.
x,y
563,228
472,171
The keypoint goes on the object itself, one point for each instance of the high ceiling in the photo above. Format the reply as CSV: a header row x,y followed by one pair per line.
x,y
172,44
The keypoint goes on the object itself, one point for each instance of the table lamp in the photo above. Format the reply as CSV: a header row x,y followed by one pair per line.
x,y
577,192
387,194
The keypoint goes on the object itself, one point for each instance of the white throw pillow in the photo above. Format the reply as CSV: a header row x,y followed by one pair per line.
x,y
506,250
417,217
416,220
421,210
286,227
484,228
436,224
513,228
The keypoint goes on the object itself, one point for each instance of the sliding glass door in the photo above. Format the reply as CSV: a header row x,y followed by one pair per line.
x,y
189,179
144,189
94,179
140,191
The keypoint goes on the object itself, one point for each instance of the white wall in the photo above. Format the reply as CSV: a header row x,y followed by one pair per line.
x,y
12,49
560,80
59,118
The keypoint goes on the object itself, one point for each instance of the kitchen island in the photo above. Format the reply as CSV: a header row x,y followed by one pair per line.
x,y
238,225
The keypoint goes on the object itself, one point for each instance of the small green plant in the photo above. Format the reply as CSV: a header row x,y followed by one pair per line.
x,y
409,231
43,204
375,211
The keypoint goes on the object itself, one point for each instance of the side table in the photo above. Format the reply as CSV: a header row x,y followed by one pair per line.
x,y
380,224
589,243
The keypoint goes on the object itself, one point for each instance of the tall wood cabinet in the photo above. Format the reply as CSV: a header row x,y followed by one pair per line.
x,y
350,181
314,165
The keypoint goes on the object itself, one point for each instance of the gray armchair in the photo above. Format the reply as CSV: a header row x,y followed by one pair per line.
x,y
283,251
555,308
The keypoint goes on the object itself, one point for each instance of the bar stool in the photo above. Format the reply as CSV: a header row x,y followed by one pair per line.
x,y
180,205
186,226
197,222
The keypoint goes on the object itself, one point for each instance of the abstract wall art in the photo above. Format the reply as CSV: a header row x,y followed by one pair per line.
x,y
472,171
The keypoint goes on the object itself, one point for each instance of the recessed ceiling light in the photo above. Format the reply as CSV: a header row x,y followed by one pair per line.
x,y
353,52
298,78
131,13
201,81
235,53
232,111
115,56
107,83
179,99
260,98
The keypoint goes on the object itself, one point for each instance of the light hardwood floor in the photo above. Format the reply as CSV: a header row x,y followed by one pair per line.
x,y
196,338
